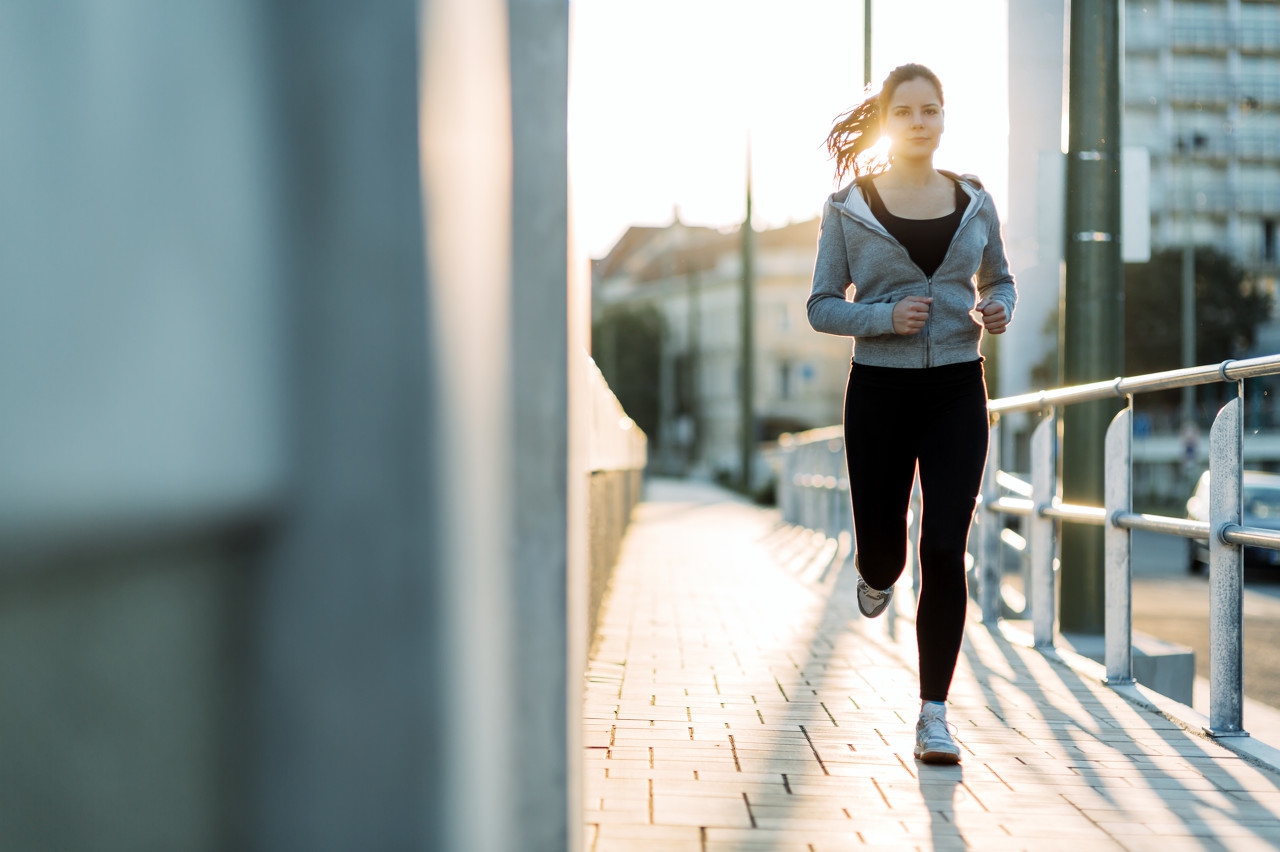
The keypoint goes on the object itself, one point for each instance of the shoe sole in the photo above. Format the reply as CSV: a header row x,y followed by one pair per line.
x,y
876,610
939,758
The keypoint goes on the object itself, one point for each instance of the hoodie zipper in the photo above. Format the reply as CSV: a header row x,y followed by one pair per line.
x,y
965,220
928,326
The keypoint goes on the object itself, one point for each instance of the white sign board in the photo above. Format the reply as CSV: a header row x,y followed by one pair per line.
x,y
1135,205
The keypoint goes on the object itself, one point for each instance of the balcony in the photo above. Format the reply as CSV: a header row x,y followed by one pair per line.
x,y
1253,90
1258,200
1260,37
1203,35
1200,88
1252,145
1257,145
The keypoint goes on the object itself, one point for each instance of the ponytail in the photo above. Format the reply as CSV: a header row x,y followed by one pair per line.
x,y
853,134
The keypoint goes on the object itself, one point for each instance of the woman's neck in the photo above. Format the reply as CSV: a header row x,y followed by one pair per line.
x,y
912,172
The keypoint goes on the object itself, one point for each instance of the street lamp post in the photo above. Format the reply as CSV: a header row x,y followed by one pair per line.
x,y
747,359
1093,314
866,42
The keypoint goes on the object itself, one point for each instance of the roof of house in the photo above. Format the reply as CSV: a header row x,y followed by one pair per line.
x,y
649,253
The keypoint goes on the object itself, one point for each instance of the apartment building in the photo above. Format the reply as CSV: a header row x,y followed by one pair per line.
x,y
1202,95
693,277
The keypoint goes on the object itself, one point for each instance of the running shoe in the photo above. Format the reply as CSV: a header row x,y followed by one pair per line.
x,y
871,601
934,743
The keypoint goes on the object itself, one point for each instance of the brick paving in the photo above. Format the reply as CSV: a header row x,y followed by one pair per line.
x,y
736,700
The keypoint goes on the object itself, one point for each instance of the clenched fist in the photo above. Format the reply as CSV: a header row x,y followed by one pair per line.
x,y
910,315
994,317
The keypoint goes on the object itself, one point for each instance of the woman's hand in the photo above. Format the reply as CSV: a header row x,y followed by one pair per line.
x,y
994,317
910,315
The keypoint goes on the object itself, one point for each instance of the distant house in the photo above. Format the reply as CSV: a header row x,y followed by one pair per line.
x,y
691,278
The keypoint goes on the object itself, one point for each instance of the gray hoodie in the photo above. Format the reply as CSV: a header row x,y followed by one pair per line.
x,y
855,250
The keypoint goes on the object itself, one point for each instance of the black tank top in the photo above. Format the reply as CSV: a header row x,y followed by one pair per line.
x,y
926,240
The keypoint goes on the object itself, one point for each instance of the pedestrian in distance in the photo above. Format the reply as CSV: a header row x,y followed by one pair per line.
x,y
911,266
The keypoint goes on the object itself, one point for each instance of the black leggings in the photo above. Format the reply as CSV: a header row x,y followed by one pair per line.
x,y
894,419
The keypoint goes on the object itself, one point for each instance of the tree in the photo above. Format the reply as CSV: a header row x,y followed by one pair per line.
x,y
626,343
1229,310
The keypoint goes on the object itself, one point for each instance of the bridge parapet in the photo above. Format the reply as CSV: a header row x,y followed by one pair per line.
x,y
616,456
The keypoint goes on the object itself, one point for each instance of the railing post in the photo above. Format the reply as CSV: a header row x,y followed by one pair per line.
x,y
834,507
846,505
806,487
794,467
1118,493
813,506
785,455
989,534
1226,577
819,470
1043,489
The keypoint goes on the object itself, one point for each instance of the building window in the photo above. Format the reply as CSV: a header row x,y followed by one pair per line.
x,y
1269,240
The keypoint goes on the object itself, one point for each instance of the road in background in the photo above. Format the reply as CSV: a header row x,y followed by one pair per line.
x,y
1172,604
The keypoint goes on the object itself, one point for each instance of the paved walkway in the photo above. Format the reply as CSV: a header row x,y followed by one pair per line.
x,y
738,701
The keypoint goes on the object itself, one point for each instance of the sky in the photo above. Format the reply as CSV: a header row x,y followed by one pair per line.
x,y
663,95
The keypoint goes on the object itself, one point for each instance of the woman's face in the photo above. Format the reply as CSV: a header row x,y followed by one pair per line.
x,y
913,120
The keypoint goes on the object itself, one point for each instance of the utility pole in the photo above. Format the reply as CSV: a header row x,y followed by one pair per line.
x,y
1187,147
866,42
1093,321
694,385
747,357
1189,325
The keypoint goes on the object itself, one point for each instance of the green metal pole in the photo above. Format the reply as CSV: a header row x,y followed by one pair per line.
x,y
1189,325
1093,301
695,367
748,340
866,42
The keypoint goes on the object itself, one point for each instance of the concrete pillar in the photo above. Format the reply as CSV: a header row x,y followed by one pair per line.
x,y
349,648
143,436
437,717
415,677
284,487
542,719
1033,221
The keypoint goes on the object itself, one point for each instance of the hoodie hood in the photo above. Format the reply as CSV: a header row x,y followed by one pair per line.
x,y
861,272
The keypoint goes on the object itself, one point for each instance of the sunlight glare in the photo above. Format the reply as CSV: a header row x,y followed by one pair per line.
x,y
664,93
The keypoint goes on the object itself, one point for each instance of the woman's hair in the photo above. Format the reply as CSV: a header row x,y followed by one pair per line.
x,y
859,129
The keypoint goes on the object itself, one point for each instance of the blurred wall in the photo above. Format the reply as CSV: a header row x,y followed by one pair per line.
x,y
1033,225
283,473
142,422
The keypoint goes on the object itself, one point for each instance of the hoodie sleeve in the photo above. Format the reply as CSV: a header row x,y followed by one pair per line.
x,y
994,279
829,312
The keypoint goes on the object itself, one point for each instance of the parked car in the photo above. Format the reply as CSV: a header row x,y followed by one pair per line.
x,y
1261,499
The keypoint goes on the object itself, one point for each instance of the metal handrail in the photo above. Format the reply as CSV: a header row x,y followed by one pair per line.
x,y
1018,486
824,507
1227,371
1162,524
1091,515
1023,506
1254,536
